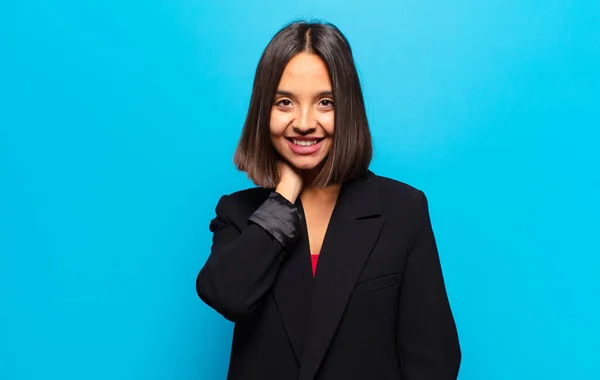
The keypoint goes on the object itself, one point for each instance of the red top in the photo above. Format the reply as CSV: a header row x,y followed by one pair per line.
x,y
314,259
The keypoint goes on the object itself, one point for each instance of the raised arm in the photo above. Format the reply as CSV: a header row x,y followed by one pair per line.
x,y
244,260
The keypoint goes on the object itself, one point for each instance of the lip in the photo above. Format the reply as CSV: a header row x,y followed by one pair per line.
x,y
304,150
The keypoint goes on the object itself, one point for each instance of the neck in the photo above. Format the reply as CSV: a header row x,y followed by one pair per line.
x,y
308,177
312,193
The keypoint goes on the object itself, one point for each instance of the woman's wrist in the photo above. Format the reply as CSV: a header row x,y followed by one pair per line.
x,y
287,192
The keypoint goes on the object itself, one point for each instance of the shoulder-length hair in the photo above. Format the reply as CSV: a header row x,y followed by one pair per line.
x,y
351,151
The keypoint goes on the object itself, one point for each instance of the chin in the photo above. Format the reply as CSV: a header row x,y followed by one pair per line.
x,y
302,164
305,166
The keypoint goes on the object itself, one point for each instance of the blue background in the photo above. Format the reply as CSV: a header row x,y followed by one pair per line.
x,y
118,121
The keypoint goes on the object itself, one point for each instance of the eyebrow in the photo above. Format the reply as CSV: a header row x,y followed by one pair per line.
x,y
291,95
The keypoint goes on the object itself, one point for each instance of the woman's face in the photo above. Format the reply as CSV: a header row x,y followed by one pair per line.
x,y
302,115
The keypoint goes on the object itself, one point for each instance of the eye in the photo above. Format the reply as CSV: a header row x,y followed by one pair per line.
x,y
284,103
326,103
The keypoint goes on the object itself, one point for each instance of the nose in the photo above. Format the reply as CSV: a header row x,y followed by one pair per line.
x,y
303,130
305,122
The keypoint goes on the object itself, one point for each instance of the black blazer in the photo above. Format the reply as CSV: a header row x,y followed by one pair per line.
x,y
376,309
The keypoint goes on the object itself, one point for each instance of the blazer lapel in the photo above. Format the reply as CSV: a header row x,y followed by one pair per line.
x,y
292,289
353,231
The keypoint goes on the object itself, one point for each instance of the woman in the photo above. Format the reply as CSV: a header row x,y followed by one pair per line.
x,y
373,305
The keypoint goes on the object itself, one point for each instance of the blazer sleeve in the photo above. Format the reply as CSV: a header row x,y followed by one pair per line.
x,y
243,262
427,336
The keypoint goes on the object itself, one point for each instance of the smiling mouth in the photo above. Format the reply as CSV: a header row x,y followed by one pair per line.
x,y
305,142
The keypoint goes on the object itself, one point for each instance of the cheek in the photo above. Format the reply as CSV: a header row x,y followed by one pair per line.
x,y
278,123
328,122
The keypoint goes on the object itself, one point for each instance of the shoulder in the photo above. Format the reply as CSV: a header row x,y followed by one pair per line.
x,y
395,191
250,195
399,201
242,203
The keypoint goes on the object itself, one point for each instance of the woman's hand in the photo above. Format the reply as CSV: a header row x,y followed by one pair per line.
x,y
290,181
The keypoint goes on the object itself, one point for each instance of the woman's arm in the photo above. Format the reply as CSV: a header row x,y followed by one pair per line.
x,y
427,336
242,265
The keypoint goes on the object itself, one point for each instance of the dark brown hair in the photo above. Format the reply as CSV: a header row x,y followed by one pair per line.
x,y
351,151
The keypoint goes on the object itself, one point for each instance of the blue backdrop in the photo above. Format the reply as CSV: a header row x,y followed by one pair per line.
x,y
118,121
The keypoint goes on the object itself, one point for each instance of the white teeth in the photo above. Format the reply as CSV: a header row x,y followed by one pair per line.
x,y
304,142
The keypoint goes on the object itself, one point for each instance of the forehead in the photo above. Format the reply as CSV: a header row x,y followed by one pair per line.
x,y
305,72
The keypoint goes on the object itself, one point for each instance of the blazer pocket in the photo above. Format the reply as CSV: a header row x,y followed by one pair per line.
x,y
375,284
